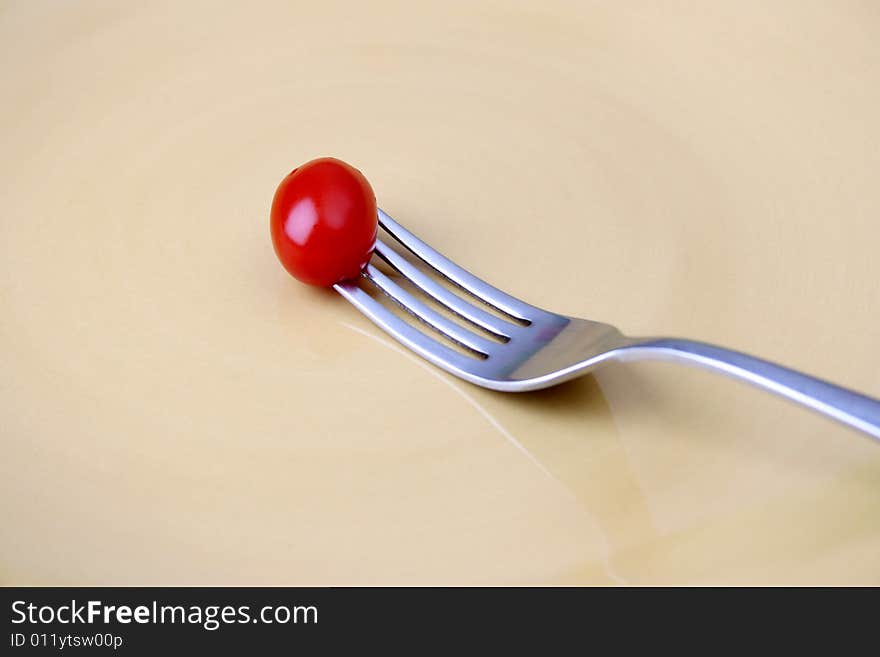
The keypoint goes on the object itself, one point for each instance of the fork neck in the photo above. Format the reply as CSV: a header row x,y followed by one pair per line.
x,y
847,406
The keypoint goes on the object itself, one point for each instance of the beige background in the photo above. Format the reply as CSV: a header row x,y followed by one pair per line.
x,y
176,410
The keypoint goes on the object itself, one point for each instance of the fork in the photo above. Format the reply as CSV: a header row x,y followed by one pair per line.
x,y
520,347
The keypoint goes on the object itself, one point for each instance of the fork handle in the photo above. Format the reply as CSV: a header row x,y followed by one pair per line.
x,y
852,408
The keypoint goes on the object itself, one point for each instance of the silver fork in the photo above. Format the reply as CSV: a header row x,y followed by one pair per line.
x,y
533,348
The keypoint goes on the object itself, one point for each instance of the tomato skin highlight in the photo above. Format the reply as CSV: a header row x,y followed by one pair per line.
x,y
323,222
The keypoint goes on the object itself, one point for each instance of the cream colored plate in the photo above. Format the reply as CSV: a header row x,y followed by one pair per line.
x,y
177,410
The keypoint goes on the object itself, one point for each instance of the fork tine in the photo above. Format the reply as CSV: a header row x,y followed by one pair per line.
x,y
449,328
425,346
455,303
479,288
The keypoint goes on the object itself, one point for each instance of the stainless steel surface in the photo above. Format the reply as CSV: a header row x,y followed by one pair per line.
x,y
521,347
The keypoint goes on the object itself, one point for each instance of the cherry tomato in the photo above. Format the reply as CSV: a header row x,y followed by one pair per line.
x,y
323,222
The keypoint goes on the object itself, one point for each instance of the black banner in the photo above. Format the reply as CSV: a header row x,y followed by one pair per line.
x,y
149,620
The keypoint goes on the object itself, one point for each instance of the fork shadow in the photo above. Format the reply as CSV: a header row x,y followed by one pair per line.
x,y
586,454
652,449
575,396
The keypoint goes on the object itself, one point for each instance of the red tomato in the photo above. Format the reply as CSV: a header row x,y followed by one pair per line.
x,y
323,222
